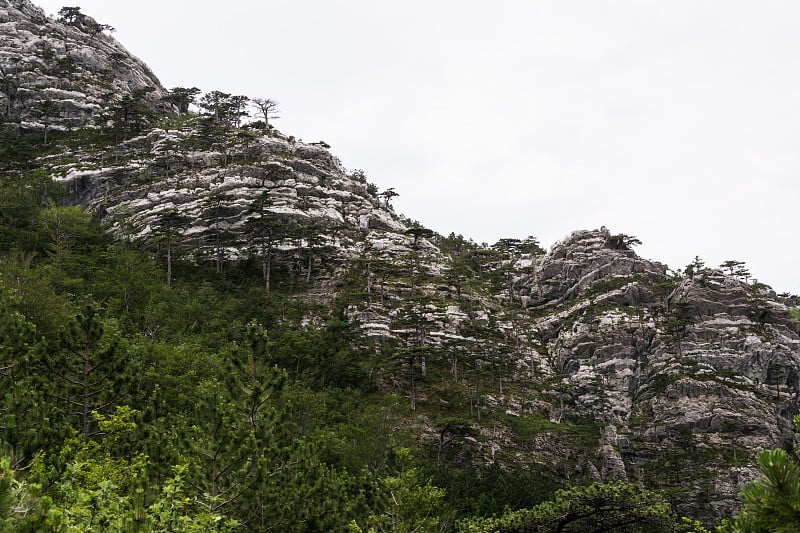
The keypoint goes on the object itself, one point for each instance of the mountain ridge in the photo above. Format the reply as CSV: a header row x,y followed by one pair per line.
x,y
588,358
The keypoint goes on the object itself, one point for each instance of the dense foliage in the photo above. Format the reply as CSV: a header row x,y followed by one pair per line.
x,y
133,400
140,391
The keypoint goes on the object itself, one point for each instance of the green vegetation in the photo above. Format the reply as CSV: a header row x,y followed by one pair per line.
x,y
771,503
142,391
614,506
607,285
622,242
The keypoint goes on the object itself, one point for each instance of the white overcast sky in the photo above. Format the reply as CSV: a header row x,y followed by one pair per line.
x,y
675,121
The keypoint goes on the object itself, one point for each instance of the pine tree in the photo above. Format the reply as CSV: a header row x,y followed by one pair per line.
x,y
772,503
46,111
406,501
169,229
264,230
89,367
240,445
21,417
613,507
415,321
181,98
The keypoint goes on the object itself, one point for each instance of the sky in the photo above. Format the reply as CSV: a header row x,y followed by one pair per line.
x,y
677,122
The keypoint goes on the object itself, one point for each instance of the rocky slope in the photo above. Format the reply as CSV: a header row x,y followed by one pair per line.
x,y
588,361
76,65
684,374
226,189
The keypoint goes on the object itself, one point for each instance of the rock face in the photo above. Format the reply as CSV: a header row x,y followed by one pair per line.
x,y
243,192
575,264
685,374
589,361
76,65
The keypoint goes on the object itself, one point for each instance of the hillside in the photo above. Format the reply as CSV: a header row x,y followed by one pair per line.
x,y
252,329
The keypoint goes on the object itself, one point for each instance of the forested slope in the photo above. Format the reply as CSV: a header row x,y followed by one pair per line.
x,y
209,325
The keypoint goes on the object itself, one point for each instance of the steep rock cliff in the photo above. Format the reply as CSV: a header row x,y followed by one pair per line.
x,y
244,190
689,376
76,65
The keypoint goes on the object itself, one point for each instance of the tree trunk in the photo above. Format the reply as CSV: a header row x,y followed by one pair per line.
x,y
413,273
86,411
169,263
266,264
269,271
413,390
369,283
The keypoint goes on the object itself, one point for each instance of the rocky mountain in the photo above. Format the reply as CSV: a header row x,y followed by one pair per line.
x,y
587,360
73,63
682,373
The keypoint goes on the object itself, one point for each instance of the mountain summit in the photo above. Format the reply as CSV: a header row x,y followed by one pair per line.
x,y
72,62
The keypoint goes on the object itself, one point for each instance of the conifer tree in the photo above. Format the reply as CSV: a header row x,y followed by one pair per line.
x,y
770,504
62,229
613,507
267,108
313,238
253,380
223,461
224,108
678,321
407,501
131,114
181,98
415,321
21,428
736,269
169,229
264,230
89,367
46,111
242,455
216,212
